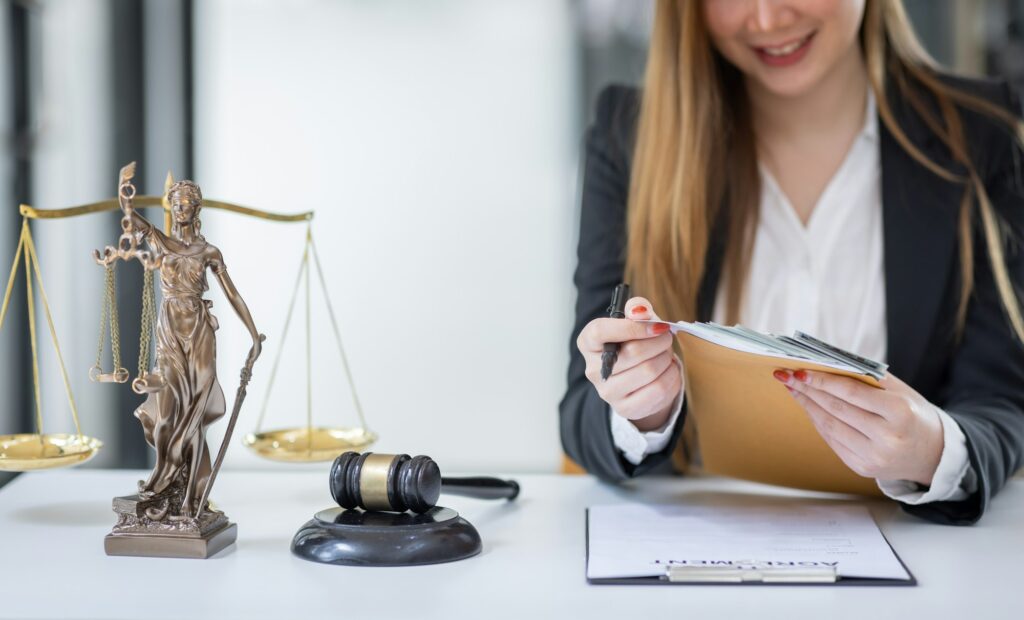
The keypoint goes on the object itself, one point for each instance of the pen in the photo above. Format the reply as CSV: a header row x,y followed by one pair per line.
x,y
616,311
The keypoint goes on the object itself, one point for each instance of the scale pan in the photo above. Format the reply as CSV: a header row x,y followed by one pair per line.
x,y
30,451
297,445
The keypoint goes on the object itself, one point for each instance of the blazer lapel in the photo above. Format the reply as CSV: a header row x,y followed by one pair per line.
x,y
919,218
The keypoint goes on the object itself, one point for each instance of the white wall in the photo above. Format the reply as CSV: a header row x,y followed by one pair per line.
x,y
435,140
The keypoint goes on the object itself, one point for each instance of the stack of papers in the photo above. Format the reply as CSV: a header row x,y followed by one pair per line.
x,y
798,347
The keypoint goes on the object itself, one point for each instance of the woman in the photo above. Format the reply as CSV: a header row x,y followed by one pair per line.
x,y
184,395
802,164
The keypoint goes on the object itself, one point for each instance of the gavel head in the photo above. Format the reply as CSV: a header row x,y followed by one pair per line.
x,y
395,482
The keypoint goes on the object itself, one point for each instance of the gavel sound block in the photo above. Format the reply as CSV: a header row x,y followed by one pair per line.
x,y
373,526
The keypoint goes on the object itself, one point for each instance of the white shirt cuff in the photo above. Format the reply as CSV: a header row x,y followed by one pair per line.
x,y
954,478
636,444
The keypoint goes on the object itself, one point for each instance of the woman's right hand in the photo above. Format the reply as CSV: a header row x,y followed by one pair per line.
x,y
647,376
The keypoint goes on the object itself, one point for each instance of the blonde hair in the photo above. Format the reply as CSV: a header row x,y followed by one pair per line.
x,y
684,172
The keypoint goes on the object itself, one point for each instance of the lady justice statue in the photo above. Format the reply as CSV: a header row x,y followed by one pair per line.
x,y
170,516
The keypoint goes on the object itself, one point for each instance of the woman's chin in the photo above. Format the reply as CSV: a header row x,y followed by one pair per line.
x,y
787,84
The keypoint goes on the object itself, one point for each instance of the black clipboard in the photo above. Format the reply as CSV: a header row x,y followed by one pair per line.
x,y
664,581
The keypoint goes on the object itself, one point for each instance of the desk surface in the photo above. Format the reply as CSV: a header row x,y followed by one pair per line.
x,y
52,527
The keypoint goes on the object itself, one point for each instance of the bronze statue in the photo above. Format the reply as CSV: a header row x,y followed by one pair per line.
x,y
183,394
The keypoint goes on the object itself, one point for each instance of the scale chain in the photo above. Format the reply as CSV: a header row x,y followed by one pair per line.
x,y
115,322
309,251
337,332
107,283
148,320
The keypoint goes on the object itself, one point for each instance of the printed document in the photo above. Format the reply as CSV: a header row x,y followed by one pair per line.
x,y
635,540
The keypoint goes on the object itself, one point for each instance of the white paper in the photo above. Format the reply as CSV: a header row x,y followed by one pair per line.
x,y
636,540
738,343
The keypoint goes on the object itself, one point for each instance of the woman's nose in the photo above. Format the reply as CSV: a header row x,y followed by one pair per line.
x,y
768,15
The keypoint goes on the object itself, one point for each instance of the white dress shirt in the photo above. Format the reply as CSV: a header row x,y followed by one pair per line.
x,y
827,279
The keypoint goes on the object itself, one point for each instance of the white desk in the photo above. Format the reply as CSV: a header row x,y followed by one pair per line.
x,y
52,527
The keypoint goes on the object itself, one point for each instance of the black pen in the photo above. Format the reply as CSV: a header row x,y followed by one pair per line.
x,y
617,310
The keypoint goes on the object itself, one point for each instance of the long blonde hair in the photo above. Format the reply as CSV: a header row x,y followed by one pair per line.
x,y
695,155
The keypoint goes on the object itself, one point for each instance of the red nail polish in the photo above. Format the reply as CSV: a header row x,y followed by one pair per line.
x,y
801,375
781,375
659,328
639,309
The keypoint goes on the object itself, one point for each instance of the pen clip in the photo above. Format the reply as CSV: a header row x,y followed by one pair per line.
x,y
619,298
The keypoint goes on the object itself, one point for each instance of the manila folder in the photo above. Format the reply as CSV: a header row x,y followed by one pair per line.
x,y
749,427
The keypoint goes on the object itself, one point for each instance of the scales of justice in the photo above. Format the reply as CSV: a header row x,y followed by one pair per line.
x,y
170,514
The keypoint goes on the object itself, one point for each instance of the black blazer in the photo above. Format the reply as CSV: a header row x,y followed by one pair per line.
x,y
979,381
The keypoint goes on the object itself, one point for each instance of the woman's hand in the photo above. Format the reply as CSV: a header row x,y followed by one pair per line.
x,y
890,434
647,376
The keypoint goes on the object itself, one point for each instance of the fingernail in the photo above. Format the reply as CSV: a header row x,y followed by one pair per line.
x,y
801,375
659,328
781,375
639,309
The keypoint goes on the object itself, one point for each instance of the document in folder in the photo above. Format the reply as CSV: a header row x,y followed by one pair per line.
x,y
748,425
751,543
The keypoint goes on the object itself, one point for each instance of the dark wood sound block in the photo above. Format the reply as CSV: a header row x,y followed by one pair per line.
x,y
365,538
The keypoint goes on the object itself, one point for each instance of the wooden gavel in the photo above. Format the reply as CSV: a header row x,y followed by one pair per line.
x,y
398,482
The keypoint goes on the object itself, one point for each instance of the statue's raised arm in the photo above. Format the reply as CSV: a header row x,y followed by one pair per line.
x,y
134,227
126,196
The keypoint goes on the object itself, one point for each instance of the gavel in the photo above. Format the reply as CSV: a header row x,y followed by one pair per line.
x,y
398,482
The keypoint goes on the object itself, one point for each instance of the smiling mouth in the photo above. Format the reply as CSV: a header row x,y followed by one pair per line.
x,y
788,48
787,53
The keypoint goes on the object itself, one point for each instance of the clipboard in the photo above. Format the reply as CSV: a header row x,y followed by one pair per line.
x,y
748,573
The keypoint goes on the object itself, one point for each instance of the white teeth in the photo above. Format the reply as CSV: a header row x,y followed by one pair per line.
x,y
785,49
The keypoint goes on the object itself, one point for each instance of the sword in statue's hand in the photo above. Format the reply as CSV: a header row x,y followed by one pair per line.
x,y
239,397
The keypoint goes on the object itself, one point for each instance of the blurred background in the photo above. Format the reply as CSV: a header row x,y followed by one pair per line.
x,y
439,144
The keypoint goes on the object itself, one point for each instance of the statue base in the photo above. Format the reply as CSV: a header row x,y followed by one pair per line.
x,y
159,546
143,529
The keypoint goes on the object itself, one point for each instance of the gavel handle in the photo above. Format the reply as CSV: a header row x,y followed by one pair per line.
x,y
481,487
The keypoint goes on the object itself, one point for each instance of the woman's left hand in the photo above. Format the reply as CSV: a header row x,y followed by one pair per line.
x,y
889,434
